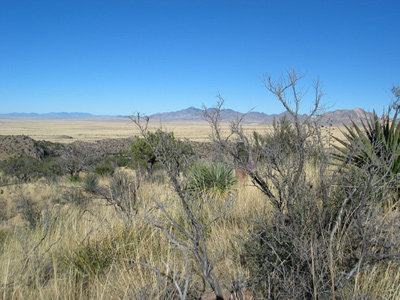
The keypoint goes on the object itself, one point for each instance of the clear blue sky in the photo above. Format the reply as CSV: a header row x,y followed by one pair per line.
x,y
118,57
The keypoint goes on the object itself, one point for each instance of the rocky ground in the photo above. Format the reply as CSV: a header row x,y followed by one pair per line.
x,y
22,145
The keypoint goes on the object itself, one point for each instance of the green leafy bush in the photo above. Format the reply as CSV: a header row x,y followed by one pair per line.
x,y
143,154
106,166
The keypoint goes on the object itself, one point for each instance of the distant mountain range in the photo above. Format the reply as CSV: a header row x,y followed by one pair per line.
x,y
52,115
336,117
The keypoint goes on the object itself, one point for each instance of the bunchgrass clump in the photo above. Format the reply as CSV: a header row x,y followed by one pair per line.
x,y
75,196
90,183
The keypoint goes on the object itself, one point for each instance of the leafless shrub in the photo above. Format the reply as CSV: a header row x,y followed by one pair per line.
x,y
326,224
189,233
28,209
75,196
122,193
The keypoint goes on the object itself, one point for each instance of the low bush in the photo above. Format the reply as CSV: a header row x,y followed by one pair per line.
x,y
27,168
104,168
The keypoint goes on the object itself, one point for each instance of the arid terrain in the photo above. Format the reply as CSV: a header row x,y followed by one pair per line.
x,y
88,211
185,123
94,129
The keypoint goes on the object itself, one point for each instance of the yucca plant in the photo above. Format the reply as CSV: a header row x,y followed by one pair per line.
x,y
214,178
374,143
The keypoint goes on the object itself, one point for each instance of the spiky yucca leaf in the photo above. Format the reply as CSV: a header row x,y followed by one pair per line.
x,y
213,178
375,142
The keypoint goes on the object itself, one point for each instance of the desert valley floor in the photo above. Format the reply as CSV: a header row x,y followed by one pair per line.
x,y
94,129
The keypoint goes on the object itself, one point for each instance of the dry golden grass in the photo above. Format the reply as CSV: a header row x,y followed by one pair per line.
x,y
31,269
93,129
25,260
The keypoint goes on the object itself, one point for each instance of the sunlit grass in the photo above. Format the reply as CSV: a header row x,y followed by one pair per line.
x,y
46,262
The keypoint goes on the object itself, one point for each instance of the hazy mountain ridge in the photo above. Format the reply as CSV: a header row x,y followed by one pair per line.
x,y
336,117
52,115
194,114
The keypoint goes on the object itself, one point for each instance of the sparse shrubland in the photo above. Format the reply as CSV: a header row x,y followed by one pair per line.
x,y
307,226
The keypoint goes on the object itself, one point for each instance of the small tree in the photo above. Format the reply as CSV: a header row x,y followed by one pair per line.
x,y
143,154
143,148
76,160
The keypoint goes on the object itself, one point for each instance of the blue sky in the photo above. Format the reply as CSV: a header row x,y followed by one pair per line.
x,y
119,57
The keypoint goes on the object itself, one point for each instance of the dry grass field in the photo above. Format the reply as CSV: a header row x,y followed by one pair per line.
x,y
94,129
89,251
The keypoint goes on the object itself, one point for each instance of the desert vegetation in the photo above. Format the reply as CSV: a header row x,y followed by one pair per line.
x,y
318,217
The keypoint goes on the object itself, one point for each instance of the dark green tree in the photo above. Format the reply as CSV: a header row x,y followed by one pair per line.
x,y
143,154
145,150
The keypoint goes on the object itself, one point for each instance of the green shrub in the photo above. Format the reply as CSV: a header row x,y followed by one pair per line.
x,y
23,168
53,167
124,160
159,147
27,168
143,155
105,167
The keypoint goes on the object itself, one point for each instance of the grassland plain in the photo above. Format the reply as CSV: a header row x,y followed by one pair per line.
x,y
94,129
